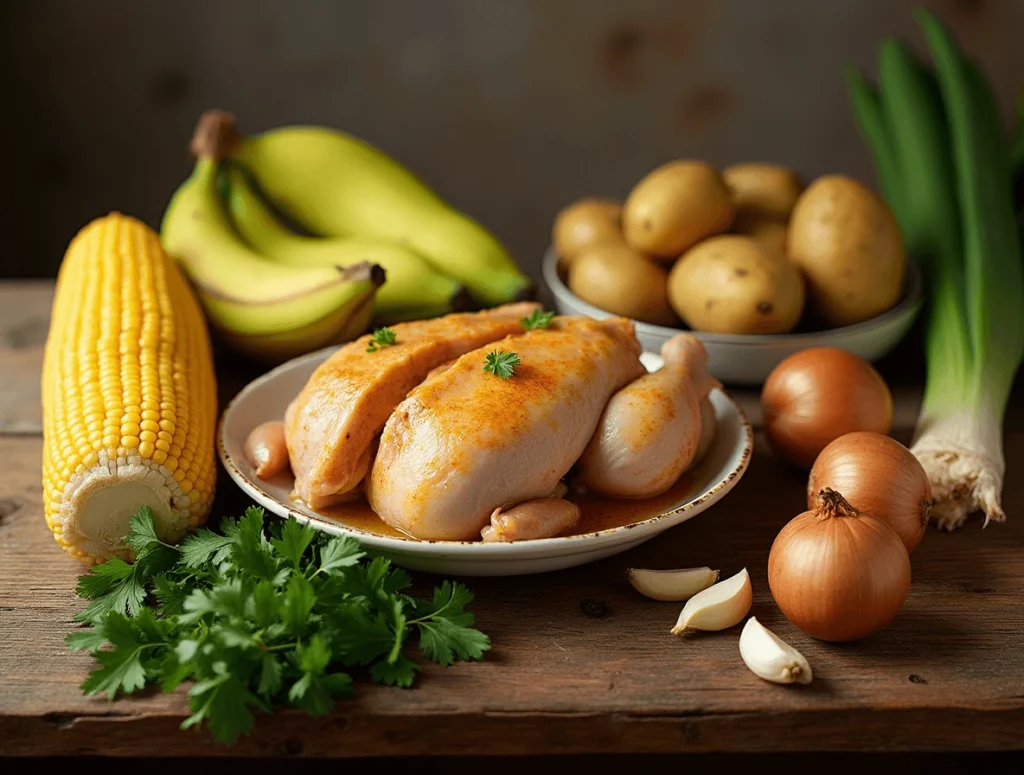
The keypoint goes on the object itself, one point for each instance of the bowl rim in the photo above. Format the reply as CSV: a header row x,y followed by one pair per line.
x,y
540,547
909,304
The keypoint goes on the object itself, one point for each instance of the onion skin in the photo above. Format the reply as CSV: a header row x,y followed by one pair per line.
x,y
819,394
838,574
878,476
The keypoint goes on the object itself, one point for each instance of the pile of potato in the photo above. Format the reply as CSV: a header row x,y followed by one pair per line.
x,y
747,250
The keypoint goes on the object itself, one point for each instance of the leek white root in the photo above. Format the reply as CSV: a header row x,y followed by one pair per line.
x,y
962,453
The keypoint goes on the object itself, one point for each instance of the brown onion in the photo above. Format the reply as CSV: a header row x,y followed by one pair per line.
x,y
878,476
838,574
819,394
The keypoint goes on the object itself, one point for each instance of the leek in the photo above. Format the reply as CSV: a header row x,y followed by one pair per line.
x,y
956,212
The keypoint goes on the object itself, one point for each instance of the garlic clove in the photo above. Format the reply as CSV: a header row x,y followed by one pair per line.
x,y
718,607
673,585
771,658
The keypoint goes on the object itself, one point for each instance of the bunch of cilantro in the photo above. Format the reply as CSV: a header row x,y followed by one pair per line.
x,y
257,616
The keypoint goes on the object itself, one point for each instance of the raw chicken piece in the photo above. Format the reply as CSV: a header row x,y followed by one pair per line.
x,y
331,424
467,442
266,450
650,430
541,518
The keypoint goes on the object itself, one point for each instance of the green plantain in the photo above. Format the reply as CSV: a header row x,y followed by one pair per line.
x,y
267,310
339,186
413,290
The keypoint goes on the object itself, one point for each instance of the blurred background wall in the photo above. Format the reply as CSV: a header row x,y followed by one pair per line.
x,y
509,108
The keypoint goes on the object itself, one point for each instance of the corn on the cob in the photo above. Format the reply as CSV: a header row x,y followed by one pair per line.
x,y
129,398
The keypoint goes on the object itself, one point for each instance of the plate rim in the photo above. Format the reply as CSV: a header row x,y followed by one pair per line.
x,y
542,547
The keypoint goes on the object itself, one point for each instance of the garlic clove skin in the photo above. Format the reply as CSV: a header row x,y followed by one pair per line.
x,y
671,585
718,607
771,658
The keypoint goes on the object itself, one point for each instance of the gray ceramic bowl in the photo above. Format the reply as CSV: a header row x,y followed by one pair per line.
x,y
747,360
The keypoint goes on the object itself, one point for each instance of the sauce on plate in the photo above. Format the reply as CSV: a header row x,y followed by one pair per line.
x,y
596,511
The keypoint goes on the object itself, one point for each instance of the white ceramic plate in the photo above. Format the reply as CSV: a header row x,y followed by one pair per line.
x,y
267,397
748,360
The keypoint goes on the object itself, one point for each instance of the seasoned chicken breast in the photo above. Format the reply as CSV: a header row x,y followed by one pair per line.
x,y
331,425
467,442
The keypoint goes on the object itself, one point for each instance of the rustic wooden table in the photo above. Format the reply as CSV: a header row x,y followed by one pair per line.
x,y
947,675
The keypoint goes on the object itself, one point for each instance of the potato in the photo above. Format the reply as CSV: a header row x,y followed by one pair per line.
x,y
617,279
770,232
586,222
849,248
763,189
675,207
732,284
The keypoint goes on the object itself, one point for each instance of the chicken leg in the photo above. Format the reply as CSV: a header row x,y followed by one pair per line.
x,y
650,430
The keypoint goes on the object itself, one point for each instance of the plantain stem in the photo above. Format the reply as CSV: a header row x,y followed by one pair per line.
x,y
216,136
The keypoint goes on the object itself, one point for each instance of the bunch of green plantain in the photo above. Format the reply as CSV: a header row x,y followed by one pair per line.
x,y
302,237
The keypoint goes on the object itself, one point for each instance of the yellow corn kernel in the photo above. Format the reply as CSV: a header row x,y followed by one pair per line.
x,y
124,320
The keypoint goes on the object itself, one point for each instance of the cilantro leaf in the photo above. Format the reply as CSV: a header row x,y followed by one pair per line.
x,y
314,656
171,594
153,562
396,581
87,639
203,547
364,637
173,670
233,634
121,670
381,337
224,703
270,675
251,552
316,689
142,535
122,667
450,601
446,626
442,640
126,596
264,605
400,673
295,538
227,598
316,695
501,364
104,578
121,587
299,600
538,319
339,553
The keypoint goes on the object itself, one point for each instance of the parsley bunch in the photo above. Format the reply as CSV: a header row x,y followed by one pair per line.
x,y
260,615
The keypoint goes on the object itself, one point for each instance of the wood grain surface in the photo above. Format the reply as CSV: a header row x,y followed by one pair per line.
x,y
24,320
948,674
